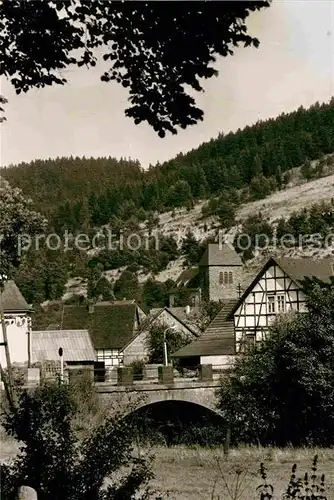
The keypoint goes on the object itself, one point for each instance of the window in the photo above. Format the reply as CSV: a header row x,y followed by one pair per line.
x,y
271,304
276,303
226,278
280,303
248,341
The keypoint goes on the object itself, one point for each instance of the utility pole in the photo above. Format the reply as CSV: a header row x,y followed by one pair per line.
x,y
8,380
165,344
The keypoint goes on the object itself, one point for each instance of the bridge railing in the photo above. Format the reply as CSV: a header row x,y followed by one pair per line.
x,y
125,375
153,374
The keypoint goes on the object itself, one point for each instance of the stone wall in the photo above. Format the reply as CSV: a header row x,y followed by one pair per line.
x,y
218,291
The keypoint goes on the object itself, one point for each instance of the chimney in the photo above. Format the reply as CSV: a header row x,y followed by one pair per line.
x,y
90,307
187,310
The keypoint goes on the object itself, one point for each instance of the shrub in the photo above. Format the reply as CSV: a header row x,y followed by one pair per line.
x,y
57,464
309,487
137,366
174,339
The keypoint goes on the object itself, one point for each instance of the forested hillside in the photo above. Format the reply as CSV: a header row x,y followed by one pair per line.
x,y
83,195
84,191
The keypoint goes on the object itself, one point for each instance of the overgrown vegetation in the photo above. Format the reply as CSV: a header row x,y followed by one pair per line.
x,y
309,487
58,464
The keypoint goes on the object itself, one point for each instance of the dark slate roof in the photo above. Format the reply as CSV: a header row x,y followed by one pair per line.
x,y
208,347
77,345
217,339
220,255
13,300
297,269
111,325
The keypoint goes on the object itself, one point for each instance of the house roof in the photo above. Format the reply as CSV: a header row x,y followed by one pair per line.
x,y
217,339
296,269
76,344
12,299
177,314
111,325
187,319
220,255
187,276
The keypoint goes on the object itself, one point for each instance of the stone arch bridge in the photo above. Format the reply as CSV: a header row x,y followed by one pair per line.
x,y
197,392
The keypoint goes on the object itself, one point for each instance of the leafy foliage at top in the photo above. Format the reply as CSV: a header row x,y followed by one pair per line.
x,y
152,49
283,392
155,341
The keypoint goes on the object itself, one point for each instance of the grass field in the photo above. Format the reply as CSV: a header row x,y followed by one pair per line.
x,y
183,473
204,474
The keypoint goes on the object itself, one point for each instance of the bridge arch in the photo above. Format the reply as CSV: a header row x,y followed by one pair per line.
x,y
200,393
178,422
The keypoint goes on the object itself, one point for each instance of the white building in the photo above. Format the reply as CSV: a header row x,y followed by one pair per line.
x,y
17,314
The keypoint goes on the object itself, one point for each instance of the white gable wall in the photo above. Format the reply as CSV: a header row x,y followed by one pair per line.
x,y
254,316
17,327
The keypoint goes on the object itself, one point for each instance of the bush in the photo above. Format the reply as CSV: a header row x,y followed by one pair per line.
x,y
174,339
256,233
138,366
57,464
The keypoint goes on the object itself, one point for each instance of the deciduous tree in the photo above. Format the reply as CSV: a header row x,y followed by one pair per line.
x,y
152,48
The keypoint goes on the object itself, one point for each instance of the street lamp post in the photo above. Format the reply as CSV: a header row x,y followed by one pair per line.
x,y
165,344
61,355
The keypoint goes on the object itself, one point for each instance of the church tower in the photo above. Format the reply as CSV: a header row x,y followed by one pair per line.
x,y
221,269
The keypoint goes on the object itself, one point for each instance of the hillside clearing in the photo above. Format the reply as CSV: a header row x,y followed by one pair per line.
x,y
293,199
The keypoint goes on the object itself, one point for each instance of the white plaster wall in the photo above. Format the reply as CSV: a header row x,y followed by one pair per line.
x,y
17,335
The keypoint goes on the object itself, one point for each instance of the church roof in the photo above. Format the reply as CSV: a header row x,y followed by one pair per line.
x,y
13,300
218,254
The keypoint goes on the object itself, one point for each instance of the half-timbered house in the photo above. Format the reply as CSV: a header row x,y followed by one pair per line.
x,y
275,290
